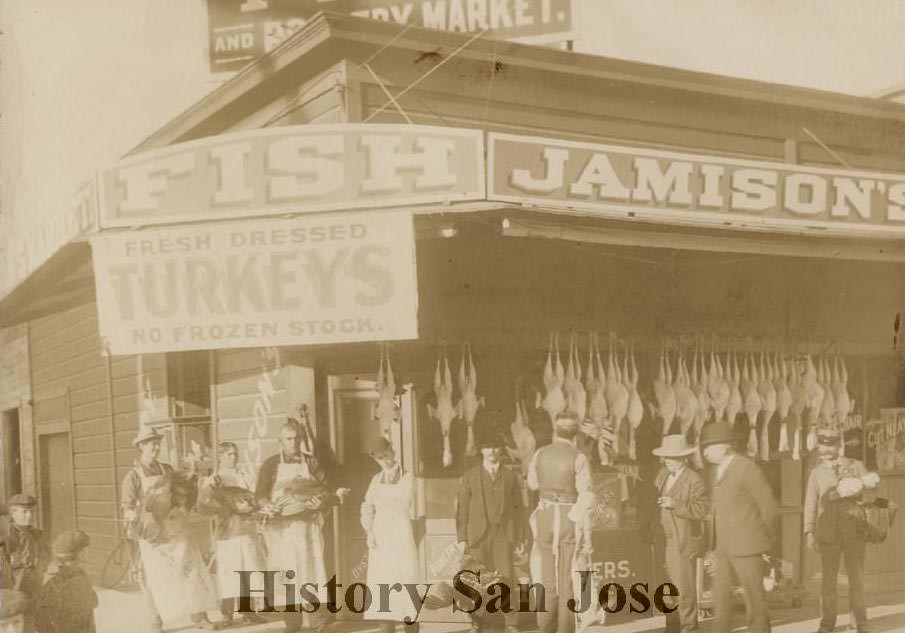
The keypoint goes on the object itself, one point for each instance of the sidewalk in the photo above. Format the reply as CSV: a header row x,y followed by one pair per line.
x,y
887,615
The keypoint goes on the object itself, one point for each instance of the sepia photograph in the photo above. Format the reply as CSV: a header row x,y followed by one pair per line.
x,y
452,316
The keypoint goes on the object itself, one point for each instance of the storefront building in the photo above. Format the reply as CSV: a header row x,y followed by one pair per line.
x,y
503,194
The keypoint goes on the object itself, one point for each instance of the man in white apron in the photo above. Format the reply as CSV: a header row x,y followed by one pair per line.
x,y
295,540
562,476
148,474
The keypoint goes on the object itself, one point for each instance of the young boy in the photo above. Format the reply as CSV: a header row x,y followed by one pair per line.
x,y
12,611
26,549
67,600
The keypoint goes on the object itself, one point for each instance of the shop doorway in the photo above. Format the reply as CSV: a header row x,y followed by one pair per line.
x,y
12,454
352,431
57,499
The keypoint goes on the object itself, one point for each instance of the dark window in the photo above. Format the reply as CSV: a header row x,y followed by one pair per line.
x,y
188,375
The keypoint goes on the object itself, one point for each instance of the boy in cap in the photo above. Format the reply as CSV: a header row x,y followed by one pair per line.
x,y
26,549
12,611
67,600
832,525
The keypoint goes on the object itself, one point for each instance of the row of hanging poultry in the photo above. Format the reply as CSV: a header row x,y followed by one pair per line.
x,y
693,386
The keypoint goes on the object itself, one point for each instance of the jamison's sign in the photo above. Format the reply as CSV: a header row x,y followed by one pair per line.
x,y
295,169
326,278
626,182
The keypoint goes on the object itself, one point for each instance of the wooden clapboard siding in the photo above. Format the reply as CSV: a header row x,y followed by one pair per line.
x,y
75,385
239,373
15,393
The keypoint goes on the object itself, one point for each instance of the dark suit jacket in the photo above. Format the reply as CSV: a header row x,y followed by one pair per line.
x,y
746,515
474,509
690,508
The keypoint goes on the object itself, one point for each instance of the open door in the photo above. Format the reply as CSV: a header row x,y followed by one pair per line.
x,y
352,431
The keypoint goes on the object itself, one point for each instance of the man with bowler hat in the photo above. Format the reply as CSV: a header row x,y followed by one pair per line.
x,y
683,506
745,516
490,516
832,525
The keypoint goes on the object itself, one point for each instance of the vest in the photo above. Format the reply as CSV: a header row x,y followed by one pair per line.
x,y
556,472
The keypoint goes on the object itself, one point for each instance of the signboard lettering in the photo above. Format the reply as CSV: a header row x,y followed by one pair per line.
x,y
623,182
314,280
295,169
241,32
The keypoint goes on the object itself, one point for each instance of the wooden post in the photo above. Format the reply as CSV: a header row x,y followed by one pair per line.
x,y
215,420
115,477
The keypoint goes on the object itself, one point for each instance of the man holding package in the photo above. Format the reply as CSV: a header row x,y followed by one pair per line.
x,y
833,525
292,491
561,474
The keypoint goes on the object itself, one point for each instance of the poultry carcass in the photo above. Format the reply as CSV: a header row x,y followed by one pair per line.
x,y
385,412
664,394
717,386
469,401
686,402
616,395
554,400
525,441
576,396
735,402
783,400
595,385
767,392
815,395
752,402
799,389
444,411
699,381
840,390
635,407
828,406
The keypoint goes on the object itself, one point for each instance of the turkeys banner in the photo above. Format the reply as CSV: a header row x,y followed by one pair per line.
x,y
637,183
241,31
305,281
295,169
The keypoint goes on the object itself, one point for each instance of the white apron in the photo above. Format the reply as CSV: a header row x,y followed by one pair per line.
x,y
396,559
296,543
241,552
174,573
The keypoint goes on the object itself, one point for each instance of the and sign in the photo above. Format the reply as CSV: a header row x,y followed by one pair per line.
x,y
27,249
886,439
295,169
658,186
305,281
241,31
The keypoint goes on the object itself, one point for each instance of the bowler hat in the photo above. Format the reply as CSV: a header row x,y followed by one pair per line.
x,y
22,500
145,435
717,433
70,543
488,435
673,446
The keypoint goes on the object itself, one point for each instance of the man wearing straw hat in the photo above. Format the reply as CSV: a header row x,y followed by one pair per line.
x,y
562,476
832,525
745,517
683,505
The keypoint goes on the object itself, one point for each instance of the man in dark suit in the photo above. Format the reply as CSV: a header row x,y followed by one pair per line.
x,y
490,516
745,516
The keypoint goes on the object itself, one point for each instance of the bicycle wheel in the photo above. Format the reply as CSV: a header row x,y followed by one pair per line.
x,y
116,571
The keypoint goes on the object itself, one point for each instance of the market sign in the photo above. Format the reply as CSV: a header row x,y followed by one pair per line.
x,y
26,249
241,31
295,169
886,440
319,279
630,182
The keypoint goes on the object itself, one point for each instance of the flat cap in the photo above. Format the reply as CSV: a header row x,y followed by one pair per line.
x,y
69,544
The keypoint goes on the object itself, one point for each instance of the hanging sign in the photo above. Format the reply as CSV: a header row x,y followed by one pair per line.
x,y
313,280
295,169
886,440
241,31
676,188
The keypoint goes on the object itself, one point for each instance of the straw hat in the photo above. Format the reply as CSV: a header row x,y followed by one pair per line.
x,y
146,435
673,446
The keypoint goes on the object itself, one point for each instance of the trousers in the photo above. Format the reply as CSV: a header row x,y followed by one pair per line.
x,y
749,570
681,571
494,551
852,550
556,567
